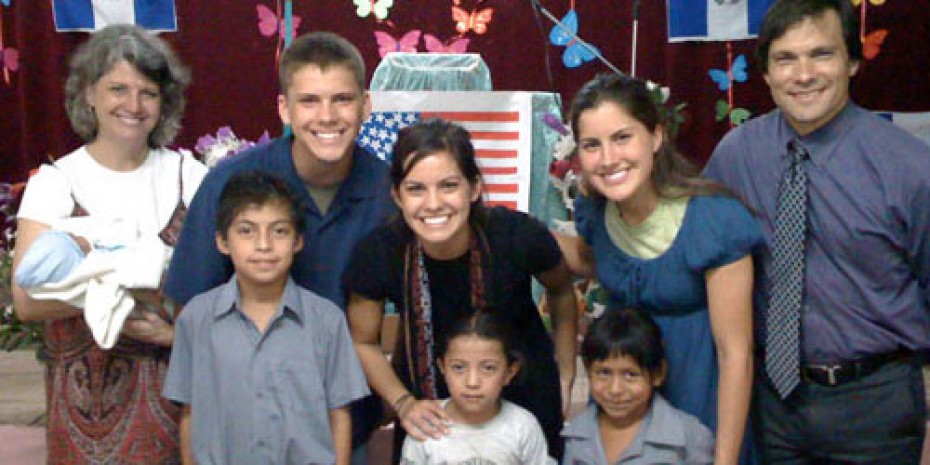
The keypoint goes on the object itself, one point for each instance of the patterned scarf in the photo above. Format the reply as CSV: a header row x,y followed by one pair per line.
x,y
418,321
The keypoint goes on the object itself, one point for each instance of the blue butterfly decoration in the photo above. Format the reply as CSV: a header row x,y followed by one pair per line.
x,y
5,2
737,71
575,54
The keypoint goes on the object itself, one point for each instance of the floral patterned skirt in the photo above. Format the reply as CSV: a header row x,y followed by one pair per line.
x,y
105,406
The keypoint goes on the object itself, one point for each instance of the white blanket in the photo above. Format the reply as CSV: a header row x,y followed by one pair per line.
x,y
100,285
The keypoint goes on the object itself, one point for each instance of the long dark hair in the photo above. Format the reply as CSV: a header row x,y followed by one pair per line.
x,y
428,137
673,175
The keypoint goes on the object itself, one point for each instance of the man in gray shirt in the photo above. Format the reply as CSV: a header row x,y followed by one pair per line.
x,y
848,194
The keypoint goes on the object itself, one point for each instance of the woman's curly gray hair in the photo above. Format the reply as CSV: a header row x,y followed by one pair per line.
x,y
150,55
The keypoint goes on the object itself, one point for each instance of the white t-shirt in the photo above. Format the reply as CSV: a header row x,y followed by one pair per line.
x,y
513,437
146,196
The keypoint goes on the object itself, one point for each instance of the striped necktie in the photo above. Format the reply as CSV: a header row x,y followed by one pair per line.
x,y
786,276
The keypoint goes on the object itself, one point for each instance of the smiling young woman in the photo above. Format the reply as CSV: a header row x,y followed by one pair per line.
x,y
662,238
445,257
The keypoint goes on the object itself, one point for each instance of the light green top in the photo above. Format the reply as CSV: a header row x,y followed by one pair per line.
x,y
653,236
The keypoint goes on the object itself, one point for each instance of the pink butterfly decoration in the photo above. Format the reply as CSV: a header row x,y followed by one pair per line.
x,y
387,43
434,45
269,22
10,59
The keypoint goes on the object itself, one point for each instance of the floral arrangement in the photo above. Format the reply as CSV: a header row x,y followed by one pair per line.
x,y
14,334
214,148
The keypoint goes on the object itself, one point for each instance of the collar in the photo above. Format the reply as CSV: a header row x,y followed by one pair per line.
x,y
583,427
821,144
367,169
660,427
228,301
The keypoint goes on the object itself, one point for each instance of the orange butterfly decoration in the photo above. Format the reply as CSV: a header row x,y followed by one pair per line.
x,y
872,43
874,2
475,21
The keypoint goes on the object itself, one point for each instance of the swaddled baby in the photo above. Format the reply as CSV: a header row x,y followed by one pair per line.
x,y
92,263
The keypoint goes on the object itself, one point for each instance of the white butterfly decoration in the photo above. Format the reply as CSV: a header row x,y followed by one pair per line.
x,y
378,7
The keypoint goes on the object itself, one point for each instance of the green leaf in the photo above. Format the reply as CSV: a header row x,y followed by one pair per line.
x,y
722,110
739,115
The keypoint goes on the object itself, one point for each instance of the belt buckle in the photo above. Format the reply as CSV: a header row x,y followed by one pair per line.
x,y
830,370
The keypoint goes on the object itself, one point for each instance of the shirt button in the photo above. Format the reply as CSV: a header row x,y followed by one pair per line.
x,y
259,395
261,443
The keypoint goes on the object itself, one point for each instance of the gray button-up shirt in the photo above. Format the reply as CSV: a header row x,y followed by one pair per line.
x,y
263,398
666,435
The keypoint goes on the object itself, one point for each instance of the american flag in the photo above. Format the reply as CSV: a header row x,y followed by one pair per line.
x,y
499,122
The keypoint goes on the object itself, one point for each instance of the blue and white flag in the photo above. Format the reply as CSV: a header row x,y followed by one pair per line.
x,y
715,20
917,124
91,15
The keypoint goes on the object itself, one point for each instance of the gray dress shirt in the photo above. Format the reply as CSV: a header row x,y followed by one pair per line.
x,y
666,436
263,398
868,250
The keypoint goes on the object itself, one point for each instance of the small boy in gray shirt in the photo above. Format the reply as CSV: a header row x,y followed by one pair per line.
x,y
265,369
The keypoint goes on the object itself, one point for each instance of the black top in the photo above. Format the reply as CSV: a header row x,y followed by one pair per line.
x,y
520,246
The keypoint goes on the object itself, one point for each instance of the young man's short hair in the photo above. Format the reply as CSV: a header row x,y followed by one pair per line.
x,y
255,188
325,50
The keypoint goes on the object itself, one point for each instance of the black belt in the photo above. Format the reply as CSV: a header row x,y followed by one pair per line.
x,y
835,374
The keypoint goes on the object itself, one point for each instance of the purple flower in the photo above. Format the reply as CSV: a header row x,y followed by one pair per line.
x,y
225,132
204,143
553,122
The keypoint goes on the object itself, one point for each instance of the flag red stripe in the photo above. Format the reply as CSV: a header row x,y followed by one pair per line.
x,y
499,170
490,153
502,188
495,135
475,116
505,203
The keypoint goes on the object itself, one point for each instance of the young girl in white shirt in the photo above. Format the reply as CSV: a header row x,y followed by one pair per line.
x,y
477,361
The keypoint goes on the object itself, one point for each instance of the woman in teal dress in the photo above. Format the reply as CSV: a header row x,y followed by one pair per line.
x,y
659,238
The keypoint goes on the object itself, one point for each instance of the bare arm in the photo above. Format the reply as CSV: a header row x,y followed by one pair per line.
x,y
577,254
340,423
187,455
27,308
563,309
729,295
151,328
420,418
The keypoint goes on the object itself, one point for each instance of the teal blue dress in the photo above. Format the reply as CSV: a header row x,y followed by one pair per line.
x,y
715,231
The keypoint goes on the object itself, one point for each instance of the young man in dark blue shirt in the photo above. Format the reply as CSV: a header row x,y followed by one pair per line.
x,y
345,188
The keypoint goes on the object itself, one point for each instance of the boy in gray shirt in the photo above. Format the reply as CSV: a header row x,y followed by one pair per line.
x,y
265,369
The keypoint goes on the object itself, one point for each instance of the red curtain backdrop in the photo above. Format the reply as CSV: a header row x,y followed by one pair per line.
x,y
235,80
